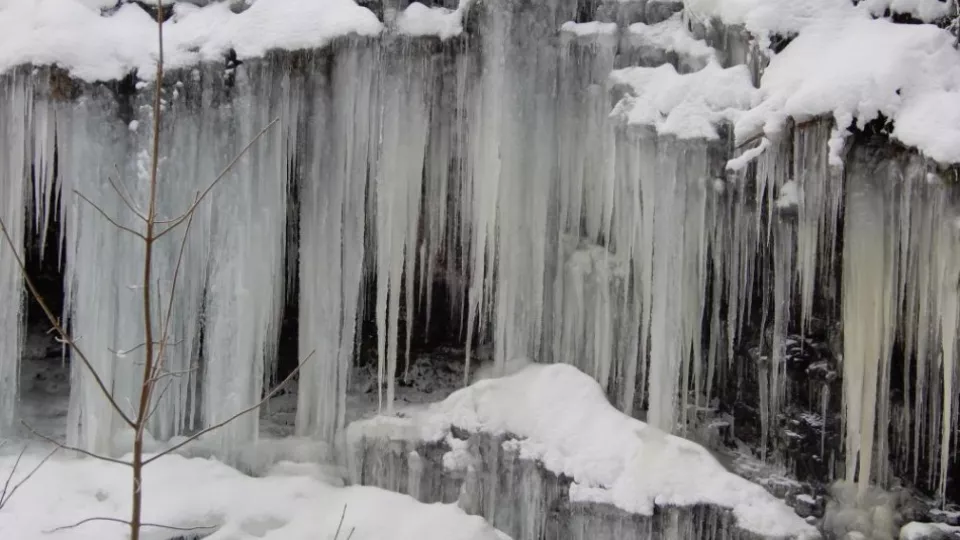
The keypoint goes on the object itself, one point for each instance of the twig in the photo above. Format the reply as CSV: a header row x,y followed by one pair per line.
x,y
56,324
125,522
7,496
125,198
219,425
107,217
87,453
177,221
13,471
343,514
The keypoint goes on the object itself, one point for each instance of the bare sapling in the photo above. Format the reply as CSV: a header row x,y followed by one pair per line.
x,y
156,322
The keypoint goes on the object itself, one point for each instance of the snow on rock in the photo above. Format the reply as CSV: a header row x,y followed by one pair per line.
x,y
686,106
671,35
291,502
925,10
593,28
420,20
764,17
565,421
860,70
105,47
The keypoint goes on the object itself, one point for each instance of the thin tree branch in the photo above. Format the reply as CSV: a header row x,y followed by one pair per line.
x,y
60,330
219,425
124,352
125,198
7,496
125,522
183,217
343,514
107,217
13,471
87,453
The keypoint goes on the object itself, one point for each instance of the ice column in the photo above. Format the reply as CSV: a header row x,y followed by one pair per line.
x,y
398,187
339,117
15,144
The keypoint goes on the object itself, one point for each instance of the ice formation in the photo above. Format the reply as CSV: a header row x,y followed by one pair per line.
x,y
576,213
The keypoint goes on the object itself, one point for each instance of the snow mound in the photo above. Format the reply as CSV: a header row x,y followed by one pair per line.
x,y
859,70
687,106
96,47
291,503
565,421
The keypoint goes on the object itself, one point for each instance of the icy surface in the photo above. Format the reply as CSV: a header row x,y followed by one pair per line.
x,y
564,420
291,502
96,47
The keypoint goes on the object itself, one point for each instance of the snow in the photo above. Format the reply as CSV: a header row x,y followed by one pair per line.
x,y
564,420
861,69
763,17
687,106
589,29
94,47
420,20
925,10
671,35
291,502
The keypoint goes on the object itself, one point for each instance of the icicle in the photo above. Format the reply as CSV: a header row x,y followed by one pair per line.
x,y
244,296
15,138
340,121
403,140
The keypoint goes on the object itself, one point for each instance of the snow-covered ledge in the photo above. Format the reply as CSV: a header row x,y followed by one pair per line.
x,y
554,426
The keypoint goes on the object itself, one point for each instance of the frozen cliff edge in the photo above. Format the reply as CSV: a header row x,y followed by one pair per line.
x,y
562,419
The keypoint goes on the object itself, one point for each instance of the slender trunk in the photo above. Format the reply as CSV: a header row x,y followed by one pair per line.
x,y
149,377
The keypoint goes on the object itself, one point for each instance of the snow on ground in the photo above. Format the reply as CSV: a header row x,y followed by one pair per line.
x,y
688,105
291,502
927,531
565,421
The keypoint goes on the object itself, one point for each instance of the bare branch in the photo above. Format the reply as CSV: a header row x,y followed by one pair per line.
x,y
56,324
13,471
124,352
107,217
125,198
87,453
125,522
173,374
219,425
343,514
9,495
183,217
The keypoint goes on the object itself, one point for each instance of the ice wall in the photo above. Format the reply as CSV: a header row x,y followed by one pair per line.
x,y
575,213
